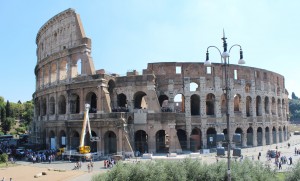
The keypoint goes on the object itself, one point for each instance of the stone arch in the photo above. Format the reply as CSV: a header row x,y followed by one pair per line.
x,y
250,136
267,105
193,86
62,104
196,140
274,132
75,140
53,72
46,75
110,143
279,107
211,137
122,100
247,88
62,139
210,104
273,106
37,107
239,131
223,104
259,136
164,103
91,98
280,134
258,106
74,103
63,70
179,103
182,137
52,106
237,103
162,141
248,106
195,104
52,140
44,107
140,100
267,135
141,141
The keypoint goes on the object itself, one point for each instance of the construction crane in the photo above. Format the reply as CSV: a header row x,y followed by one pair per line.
x,y
84,149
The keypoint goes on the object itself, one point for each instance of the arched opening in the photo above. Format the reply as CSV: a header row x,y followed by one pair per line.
x,y
267,105
44,106
62,104
195,105
110,143
140,100
223,104
112,95
259,136
193,86
279,107
195,140
273,106
239,131
74,104
162,142
53,72
46,75
91,99
164,103
211,137
182,137
274,132
210,104
247,88
52,106
280,134
63,70
248,106
250,136
62,139
258,106
75,140
141,141
284,133
179,103
52,140
79,67
267,135
237,103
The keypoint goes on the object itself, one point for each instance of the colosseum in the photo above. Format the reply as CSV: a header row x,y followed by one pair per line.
x,y
169,107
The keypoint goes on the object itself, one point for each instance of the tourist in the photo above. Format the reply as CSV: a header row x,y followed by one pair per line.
x,y
89,167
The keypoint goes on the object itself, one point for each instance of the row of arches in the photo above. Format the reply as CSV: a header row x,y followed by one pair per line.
x,y
162,141
268,106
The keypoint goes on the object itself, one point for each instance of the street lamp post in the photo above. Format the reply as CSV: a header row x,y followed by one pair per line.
x,y
225,61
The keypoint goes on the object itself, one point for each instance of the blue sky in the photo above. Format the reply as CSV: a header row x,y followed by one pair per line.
x,y
128,34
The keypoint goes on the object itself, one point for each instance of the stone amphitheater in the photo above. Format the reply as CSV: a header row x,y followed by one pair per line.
x,y
169,107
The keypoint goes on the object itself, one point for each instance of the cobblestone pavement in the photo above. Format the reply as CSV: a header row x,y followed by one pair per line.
x,y
208,158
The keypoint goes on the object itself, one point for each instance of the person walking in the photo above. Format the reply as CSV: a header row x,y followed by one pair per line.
x,y
279,166
89,167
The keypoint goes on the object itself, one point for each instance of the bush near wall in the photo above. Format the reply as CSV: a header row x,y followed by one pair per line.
x,y
186,170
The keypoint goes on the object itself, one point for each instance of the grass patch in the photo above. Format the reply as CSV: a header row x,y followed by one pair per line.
x,y
280,176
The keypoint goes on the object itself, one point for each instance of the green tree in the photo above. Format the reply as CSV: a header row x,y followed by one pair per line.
x,y
2,114
27,114
294,96
7,124
7,108
294,107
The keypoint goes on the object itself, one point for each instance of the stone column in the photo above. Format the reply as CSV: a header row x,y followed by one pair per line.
x,y
120,141
263,137
271,136
244,140
57,72
172,137
254,137
204,138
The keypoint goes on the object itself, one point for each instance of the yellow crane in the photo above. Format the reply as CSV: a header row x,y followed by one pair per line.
x,y
84,149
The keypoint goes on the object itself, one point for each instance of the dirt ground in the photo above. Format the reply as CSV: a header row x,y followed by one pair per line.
x,y
26,173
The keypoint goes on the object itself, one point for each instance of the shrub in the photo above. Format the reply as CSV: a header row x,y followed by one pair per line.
x,y
188,169
3,158
294,174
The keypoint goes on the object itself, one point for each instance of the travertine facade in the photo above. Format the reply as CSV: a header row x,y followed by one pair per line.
x,y
172,106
